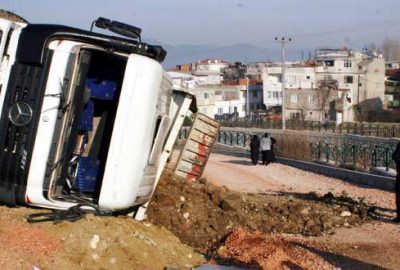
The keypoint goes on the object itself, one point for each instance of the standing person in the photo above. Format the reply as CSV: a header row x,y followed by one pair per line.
x,y
265,147
273,142
396,159
255,149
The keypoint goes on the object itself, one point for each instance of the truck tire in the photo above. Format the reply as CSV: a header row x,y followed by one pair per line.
x,y
4,14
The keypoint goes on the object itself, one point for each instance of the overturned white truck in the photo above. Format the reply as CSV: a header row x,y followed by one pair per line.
x,y
86,118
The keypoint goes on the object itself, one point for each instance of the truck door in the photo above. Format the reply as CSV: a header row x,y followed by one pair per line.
x,y
133,133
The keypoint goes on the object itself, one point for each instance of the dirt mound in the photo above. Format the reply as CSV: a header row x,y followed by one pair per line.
x,y
91,243
203,215
262,251
4,14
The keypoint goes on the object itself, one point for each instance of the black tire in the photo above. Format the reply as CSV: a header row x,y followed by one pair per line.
x,y
4,14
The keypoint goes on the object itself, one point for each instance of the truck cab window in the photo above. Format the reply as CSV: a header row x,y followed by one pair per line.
x,y
8,42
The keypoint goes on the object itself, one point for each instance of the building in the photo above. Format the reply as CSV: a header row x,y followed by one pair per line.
x,y
392,86
182,80
340,85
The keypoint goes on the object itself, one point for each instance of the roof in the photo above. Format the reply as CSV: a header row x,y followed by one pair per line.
x,y
175,75
212,61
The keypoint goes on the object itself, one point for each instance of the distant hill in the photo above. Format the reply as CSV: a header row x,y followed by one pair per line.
x,y
181,54
243,52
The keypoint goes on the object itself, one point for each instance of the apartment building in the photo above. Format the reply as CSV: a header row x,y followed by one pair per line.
x,y
340,85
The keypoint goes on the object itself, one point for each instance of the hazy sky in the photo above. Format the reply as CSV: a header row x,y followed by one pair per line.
x,y
311,23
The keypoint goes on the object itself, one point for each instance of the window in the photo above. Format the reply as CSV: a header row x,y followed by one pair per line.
x,y
308,77
204,110
311,98
220,111
244,108
8,42
348,79
329,63
347,64
293,98
291,79
244,94
235,109
280,94
327,77
269,94
206,96
255,94
275,94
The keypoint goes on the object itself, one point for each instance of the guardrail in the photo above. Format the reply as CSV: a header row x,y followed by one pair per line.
x,y
364,129
354,155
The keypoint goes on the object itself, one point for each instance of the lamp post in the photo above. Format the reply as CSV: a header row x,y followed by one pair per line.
x,y
283,41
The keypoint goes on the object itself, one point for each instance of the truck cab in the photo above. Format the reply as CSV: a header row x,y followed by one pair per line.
x,y
86,118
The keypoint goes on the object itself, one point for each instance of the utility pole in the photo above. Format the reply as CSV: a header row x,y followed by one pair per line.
x,y
247,98
283,41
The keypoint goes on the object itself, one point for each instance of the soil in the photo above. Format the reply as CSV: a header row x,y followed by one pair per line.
x,y
202,215
264,251
372,245
91,243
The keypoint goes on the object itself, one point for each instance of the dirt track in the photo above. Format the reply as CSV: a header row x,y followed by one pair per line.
x,y
370,246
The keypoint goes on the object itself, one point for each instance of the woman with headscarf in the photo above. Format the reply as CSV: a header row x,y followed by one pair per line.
x,y
266,147
255,149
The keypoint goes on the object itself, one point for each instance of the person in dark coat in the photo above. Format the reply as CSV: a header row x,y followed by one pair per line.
x,y
255,149
273,142
396,159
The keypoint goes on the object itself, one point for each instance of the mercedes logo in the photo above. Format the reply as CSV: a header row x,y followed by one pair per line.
x,y
20,114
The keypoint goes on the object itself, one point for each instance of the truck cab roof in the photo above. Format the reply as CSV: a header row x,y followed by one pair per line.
x,y
35,37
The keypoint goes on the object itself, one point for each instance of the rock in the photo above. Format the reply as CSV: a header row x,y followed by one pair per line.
x,y
186,215
182,198
345,214
94,241
305,210
326,222
231,202
252,226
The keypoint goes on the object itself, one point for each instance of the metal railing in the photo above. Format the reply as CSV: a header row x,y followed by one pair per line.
x,y
355,155
364,129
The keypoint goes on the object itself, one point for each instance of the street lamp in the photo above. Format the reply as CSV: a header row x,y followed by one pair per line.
x,y
283,41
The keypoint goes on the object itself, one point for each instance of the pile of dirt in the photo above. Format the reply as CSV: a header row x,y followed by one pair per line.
x,y
203,215
260,251
90,243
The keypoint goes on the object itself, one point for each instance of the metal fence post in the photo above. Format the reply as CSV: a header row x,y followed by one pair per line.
x,y
354,149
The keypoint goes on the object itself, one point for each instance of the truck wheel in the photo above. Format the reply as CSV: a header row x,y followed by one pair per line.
x,y
4,14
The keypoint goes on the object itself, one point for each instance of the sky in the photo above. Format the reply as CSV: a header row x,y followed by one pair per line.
x,y
311,23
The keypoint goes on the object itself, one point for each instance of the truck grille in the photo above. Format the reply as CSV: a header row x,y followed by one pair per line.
x,y
18,131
